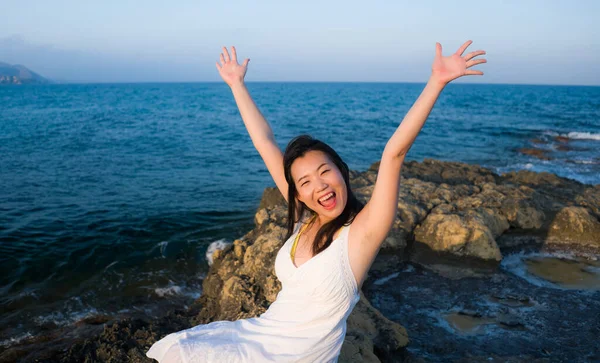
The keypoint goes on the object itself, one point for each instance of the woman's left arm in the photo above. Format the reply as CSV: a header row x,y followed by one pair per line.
x,y
373,223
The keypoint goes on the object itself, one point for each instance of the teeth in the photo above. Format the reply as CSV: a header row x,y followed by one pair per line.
x,y
325,197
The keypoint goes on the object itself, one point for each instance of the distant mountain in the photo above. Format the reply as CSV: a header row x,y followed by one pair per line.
x,y
18,74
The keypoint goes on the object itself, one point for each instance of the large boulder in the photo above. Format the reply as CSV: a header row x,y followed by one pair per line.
x,y
575,225
471,234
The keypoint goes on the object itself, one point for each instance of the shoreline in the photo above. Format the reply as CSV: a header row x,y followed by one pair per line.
x,y
516,211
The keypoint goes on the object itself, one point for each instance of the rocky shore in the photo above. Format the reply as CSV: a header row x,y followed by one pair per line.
x,y
446,272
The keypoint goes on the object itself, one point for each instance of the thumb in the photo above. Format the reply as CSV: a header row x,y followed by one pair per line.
x,y
245,64
438,49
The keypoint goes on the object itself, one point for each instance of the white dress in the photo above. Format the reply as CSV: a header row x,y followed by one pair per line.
x,y
306,323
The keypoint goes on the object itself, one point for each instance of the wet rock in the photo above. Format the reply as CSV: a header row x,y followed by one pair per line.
x,y
539,141
540,154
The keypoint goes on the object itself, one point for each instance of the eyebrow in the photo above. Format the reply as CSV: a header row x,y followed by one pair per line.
x,y
306,176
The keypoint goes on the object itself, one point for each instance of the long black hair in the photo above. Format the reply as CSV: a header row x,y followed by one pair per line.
x,y
297,148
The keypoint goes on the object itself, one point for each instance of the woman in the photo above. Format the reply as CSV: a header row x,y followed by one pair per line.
x,y
332,240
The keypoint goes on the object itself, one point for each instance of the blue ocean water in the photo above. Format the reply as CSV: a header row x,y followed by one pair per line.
x,y
111,194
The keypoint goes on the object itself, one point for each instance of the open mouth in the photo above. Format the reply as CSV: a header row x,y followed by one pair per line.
x,y
328,201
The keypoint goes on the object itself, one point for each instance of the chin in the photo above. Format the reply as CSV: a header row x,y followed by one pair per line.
x,y
334,213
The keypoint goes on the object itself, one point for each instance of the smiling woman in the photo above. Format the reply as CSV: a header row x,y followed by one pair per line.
x,y
332,240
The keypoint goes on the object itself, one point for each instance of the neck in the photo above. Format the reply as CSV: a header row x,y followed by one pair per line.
x,y
322,220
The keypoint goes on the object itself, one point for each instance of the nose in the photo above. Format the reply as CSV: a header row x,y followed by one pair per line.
x,y
322,185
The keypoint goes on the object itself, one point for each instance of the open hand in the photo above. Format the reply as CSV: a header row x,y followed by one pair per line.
x,y
229,69
446,69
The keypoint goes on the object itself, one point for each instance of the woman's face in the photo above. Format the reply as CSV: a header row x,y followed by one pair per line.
x,y
320,184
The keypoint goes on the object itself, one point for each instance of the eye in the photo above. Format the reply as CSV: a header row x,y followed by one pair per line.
x,y
304,183
324,171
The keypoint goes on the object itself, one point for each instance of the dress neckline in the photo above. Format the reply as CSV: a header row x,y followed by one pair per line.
x,y
292,257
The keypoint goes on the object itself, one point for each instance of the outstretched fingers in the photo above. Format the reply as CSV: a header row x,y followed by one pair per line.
x,y
474,54
233,54
472,63
463,47
471,72
225,54
222,59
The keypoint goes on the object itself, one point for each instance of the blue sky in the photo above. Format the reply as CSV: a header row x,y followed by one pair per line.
x,y
528,41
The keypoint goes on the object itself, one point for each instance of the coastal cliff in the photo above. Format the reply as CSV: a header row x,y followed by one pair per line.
x,y
455,222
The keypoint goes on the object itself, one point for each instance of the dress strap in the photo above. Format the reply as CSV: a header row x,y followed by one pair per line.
x,y
293,251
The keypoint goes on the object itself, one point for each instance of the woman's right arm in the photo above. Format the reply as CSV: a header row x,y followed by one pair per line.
x,y
258,128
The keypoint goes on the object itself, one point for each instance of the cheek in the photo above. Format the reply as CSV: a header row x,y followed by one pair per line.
x,y
303,195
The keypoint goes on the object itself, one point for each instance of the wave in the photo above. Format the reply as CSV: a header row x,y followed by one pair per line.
x,y
220,244
574,135
176,290
14,340
583,136
168,291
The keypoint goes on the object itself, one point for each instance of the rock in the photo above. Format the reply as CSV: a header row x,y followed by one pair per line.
x,y
368,331
451,173
531,178
522,214
461,235
540,154
590,198
575,225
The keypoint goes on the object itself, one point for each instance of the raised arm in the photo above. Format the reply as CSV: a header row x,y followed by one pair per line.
x,y
374,222
258,128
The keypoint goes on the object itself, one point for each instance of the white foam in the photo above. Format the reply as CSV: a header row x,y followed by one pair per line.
x,y
111,265
585,162
409,268
14,340
176,290
583,136
168,291
383,280
163,246
216,245
67,318
575,135
550,133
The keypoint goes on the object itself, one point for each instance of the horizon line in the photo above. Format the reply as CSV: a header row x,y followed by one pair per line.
x,y
313,82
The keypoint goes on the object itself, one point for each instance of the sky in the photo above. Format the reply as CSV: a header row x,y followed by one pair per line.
x,y
527,41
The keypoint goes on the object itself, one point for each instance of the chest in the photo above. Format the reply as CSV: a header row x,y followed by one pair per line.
x,y
304,249
321,276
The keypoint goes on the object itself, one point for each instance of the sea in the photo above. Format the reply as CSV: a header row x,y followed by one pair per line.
x,y
112,194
